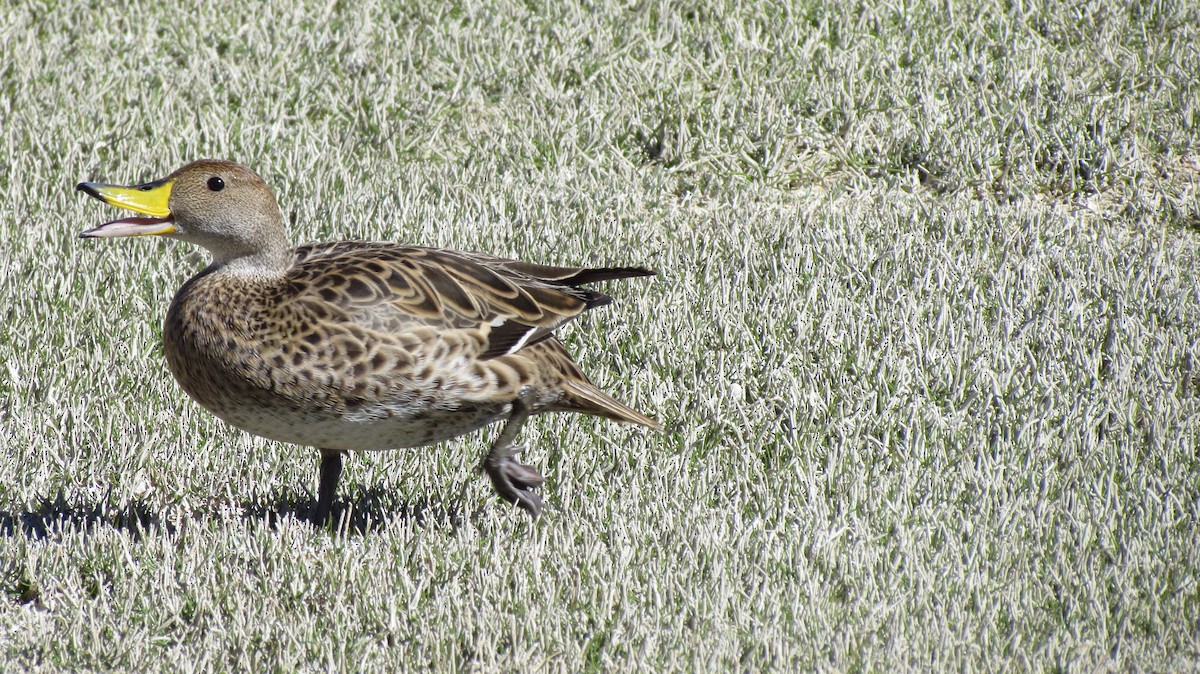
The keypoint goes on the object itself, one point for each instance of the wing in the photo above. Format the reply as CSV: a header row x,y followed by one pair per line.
x,y
394,289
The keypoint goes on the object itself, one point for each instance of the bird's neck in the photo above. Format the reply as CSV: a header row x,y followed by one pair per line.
x,y
271,263
249,248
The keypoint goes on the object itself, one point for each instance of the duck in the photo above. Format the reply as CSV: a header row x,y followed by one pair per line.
x,y
360,345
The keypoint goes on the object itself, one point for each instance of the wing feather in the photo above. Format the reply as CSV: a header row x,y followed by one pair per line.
x,y
512,304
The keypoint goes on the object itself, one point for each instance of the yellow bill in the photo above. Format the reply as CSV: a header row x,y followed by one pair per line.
x,y
150,199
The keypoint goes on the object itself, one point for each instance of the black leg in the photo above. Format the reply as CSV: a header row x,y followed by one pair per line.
x,y
514,481
331,471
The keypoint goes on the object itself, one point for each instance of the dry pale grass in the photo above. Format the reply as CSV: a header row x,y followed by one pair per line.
x,y
926,338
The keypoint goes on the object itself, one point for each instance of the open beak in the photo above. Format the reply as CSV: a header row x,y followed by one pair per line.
x,y
149,199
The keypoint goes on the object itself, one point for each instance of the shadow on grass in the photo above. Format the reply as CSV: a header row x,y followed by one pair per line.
x,y
57,515
365,512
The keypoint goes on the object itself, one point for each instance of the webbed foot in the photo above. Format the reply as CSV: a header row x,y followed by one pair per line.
x,y
514,481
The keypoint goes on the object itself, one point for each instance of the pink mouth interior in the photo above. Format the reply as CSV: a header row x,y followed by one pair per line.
x,y
137,221
124,227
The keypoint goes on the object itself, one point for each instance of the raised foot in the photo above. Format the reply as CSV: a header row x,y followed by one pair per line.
x,y
514,481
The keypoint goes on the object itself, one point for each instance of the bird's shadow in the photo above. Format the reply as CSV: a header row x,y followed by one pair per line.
x,y
363,512
55,516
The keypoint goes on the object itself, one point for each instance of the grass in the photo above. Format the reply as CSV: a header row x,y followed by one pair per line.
x,y
925,339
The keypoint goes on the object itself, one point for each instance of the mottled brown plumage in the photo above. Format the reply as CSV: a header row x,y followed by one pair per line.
x,y
361,345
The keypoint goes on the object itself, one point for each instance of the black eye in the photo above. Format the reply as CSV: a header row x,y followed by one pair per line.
x,y
216,184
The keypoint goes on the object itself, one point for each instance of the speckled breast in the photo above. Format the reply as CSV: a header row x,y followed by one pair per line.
x,y
268,375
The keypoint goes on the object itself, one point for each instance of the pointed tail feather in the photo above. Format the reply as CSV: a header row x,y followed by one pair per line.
x,y
583,397
607,274
595,298
575,276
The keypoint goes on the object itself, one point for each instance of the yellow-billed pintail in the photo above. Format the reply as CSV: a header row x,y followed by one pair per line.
x,y
360,345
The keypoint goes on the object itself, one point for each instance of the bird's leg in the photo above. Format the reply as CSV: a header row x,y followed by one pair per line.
x,y
331,471
514,481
